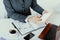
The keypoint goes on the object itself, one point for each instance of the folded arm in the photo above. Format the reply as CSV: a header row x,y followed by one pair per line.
x,y
36,7
11,12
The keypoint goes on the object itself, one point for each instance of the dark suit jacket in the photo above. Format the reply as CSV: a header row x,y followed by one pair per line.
x,y
16,7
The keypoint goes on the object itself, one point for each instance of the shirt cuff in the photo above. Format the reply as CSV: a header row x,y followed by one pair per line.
x,y
43,12
26,20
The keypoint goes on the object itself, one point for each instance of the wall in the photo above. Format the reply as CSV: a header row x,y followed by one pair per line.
x,y
2,10
49,4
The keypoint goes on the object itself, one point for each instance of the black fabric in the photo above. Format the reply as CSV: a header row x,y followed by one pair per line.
x,y
29,36
23,0
51,34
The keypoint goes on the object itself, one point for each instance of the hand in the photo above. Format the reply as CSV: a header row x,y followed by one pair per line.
x,y
35,19
45,11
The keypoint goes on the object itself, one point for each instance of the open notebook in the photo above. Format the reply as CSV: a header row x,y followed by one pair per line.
x,y
24,28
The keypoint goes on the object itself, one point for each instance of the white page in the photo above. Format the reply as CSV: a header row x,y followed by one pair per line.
x,y
30,26
41,24
46,16
23,27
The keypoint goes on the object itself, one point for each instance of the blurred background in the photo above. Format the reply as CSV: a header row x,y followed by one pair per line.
x,y
46,4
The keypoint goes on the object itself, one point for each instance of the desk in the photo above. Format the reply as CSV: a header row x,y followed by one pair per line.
x,y
6,26
55,19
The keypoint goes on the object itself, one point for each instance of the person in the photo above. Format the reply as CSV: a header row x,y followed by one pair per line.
x,y
20,9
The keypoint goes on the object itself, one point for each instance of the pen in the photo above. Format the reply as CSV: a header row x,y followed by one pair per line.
x,y
15,27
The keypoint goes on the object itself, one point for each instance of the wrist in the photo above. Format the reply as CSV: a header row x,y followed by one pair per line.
x,y
27,19
44,12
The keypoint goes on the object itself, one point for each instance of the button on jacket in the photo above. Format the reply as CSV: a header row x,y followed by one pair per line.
x,y
15,8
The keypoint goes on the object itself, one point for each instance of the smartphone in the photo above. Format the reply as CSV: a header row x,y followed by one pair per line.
x,y
29,36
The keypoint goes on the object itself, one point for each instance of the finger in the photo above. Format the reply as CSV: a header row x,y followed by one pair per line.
x,y
39,16
38,19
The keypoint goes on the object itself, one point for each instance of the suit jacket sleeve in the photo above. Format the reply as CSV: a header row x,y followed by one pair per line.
x,y
11,12
36,7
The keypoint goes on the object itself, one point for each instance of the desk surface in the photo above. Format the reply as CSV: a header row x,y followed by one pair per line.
x,y
55,19
5,26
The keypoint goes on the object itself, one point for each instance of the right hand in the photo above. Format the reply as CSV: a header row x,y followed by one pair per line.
x,y
35,19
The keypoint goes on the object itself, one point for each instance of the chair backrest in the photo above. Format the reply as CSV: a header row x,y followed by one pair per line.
x,y
49,32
